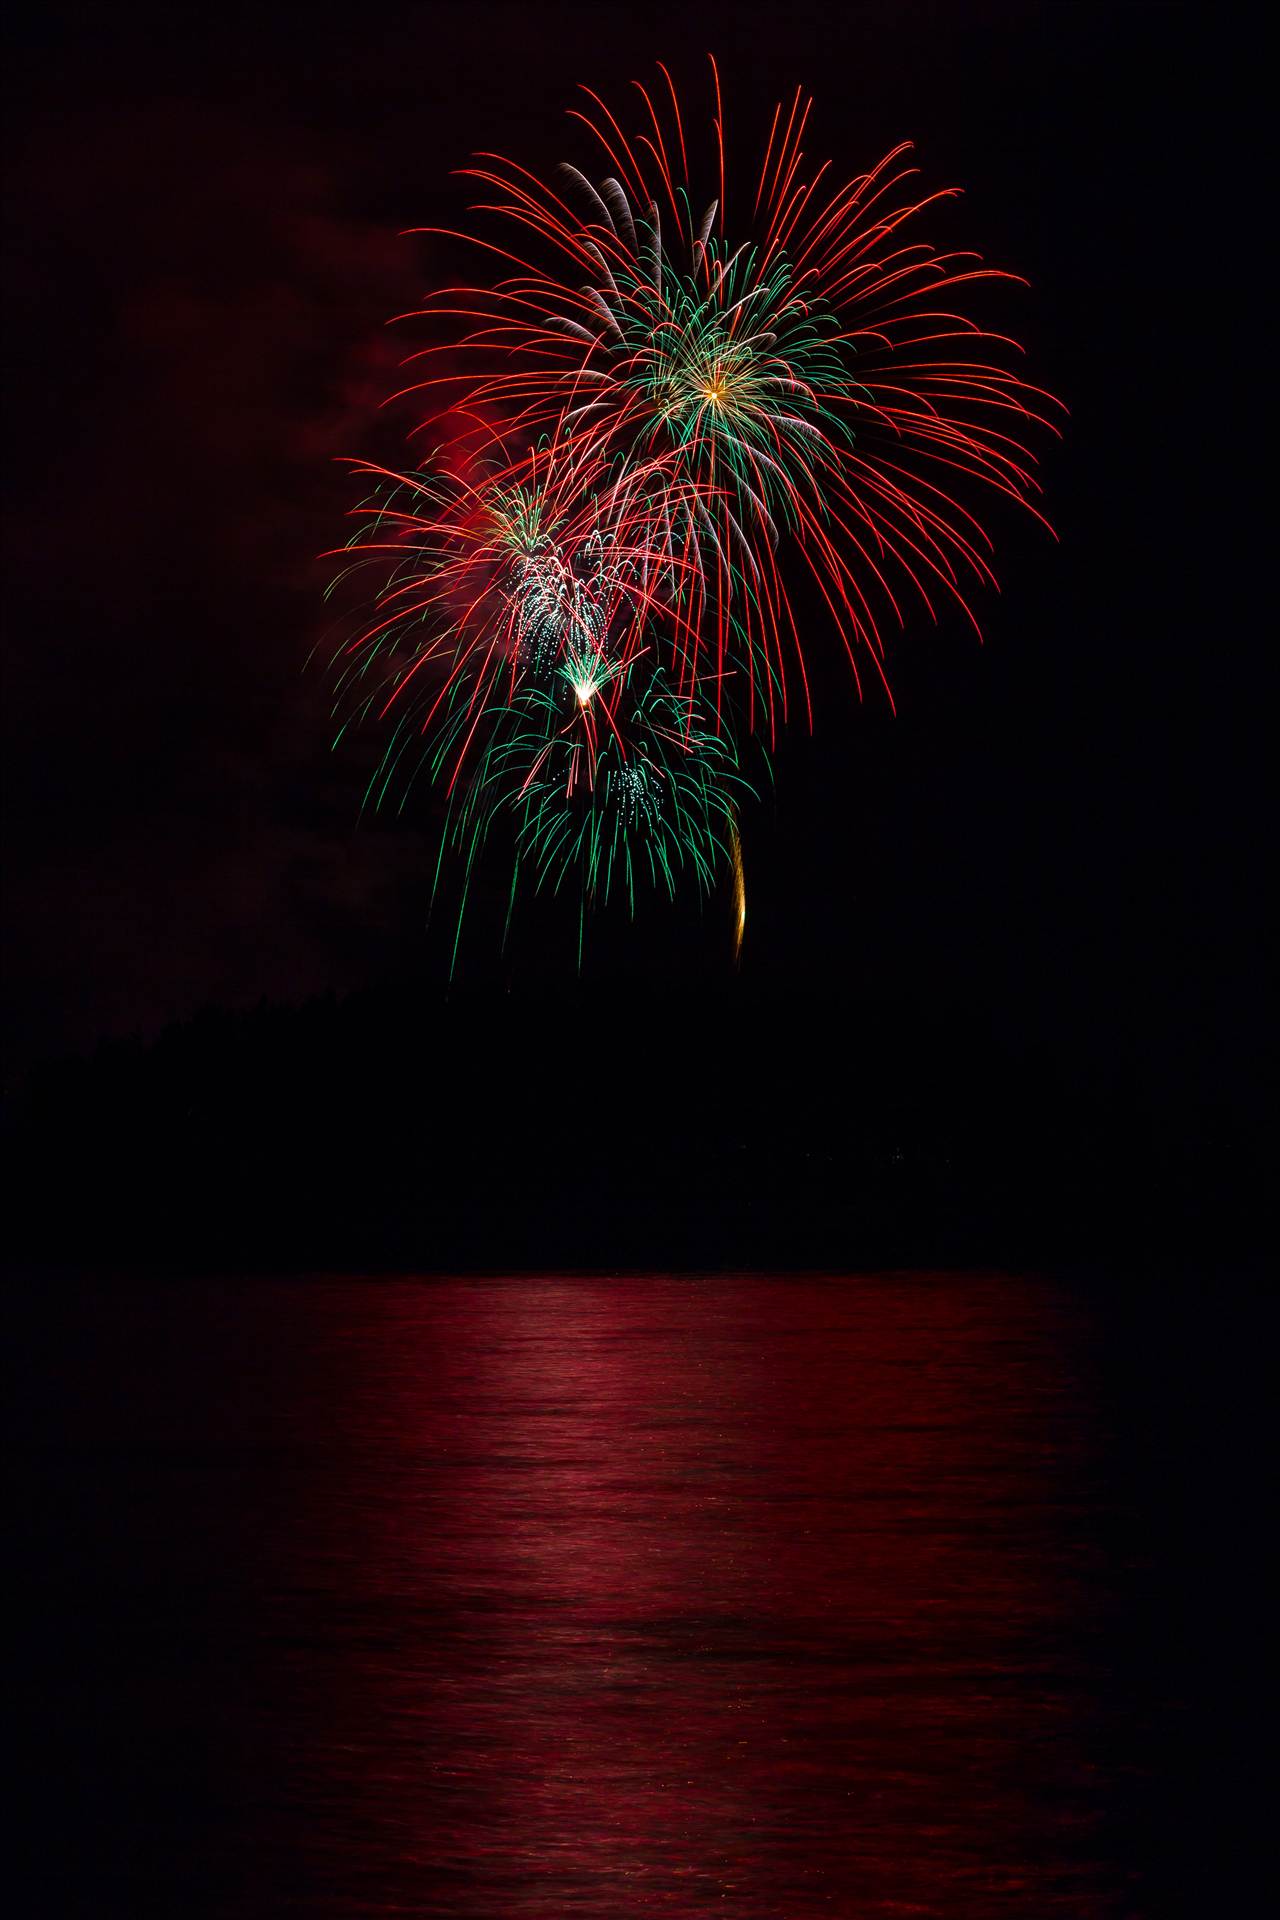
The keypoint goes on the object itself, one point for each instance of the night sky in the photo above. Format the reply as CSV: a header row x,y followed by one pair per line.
x,y
1055,846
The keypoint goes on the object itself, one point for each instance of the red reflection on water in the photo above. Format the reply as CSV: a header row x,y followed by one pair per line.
x,y
763,1596
545,1598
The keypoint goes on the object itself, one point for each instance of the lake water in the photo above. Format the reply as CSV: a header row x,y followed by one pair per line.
x,y
761,1597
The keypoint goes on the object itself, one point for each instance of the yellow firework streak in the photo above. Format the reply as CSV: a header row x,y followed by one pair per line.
x,y
739,897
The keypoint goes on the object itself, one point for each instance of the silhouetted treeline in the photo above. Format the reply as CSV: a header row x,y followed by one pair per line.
x,y
719,1128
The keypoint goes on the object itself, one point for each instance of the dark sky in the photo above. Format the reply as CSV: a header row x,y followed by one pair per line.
x,y
1058,838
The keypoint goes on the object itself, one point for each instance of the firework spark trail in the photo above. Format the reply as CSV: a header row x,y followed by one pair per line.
x,y
575,634
739,896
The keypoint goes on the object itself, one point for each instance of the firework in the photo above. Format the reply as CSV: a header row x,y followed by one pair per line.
x,y
603,783
681,404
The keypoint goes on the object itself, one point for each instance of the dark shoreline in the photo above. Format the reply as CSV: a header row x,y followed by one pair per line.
x,y
396,1131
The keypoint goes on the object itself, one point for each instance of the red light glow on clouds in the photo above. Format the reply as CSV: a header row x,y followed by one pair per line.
x,y
205,340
